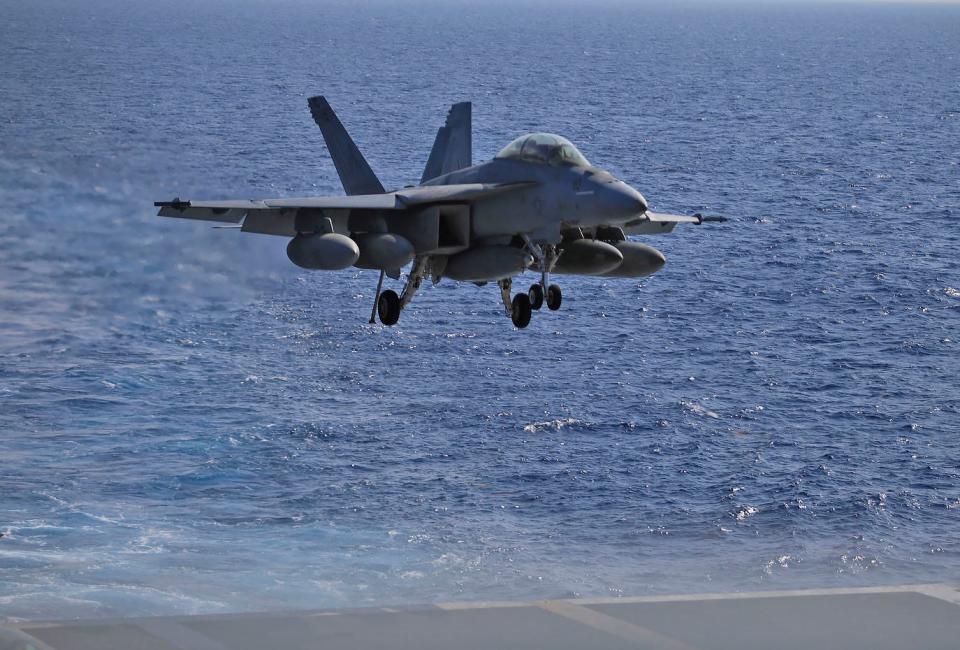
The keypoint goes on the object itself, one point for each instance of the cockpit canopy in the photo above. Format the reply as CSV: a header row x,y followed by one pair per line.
x,y
544,148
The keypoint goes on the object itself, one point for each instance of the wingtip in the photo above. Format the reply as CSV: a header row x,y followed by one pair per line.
x,y
176,204
711,219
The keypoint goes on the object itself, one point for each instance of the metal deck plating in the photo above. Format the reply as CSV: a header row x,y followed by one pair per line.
x,y
915,616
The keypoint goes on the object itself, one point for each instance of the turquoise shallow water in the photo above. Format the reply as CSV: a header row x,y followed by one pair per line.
x,y
191,424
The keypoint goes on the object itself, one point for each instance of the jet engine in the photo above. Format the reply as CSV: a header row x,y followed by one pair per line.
x,y
487,263
324,252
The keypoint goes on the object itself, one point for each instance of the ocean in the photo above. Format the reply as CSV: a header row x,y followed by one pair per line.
x,y
189,423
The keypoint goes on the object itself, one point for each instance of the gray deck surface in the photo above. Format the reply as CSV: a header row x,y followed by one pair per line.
x,y
920,616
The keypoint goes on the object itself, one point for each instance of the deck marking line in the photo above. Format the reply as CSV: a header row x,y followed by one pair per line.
x,y
941,592
612,625
739,595
483,604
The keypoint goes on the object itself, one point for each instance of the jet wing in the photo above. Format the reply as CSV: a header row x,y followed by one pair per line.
x,y
465,192
272,216
356,202
233,211
278,216
656,223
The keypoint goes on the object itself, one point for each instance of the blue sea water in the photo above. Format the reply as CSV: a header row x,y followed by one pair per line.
x,y
189,423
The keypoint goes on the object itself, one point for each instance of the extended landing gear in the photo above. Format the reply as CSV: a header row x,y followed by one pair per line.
x,y
546,257
376,299
554,297
536,296
520,310
388,304
388,307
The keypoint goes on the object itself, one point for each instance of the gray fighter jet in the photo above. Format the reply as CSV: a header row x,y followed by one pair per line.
x,y
539,205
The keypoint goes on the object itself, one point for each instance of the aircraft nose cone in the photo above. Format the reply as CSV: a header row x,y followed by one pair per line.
x,y
643,202
624,201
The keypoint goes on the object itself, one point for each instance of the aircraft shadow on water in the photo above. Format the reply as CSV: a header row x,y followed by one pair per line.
x,y
539,204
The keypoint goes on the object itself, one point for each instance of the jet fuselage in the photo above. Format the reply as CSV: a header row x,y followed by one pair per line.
x,y
561,197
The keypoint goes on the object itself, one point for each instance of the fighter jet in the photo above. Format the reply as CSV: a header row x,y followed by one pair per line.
x,y
538,205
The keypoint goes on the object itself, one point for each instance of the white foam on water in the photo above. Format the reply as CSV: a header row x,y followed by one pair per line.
x,y
554,425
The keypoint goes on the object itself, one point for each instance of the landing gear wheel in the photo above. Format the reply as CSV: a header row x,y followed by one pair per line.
x,y
536,296
554,297
388,307
521,311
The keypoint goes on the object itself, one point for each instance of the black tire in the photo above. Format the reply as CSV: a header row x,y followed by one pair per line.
x,y
554,297
536,296
521,311
388,307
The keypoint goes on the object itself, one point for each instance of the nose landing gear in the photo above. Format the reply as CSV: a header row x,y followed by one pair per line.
x,y
553,296
521,307
546,257
536,296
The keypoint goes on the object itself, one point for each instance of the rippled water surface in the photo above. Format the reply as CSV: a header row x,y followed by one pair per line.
x,y
191,424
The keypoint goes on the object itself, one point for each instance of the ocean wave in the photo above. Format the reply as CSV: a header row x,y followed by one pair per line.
x,y
552,425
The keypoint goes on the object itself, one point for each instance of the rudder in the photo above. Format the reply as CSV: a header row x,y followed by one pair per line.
x,y
453,146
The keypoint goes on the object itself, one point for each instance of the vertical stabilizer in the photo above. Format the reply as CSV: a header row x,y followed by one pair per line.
x,y
453,147
355,173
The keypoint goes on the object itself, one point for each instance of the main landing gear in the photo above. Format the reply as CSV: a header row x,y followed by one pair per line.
x,y
518,309
387,304
388,307
543,292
